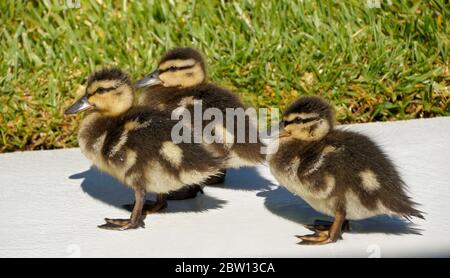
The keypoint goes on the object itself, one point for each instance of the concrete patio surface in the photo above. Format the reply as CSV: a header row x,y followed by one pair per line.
x,y
52,201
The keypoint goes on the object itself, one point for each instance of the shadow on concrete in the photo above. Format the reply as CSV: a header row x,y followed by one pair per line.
x,y
247,179
108,190
278,200
285,204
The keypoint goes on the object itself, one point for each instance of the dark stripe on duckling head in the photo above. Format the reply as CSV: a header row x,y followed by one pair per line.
x,y
184,53
174,68
311,104
106,80
102,90
300,120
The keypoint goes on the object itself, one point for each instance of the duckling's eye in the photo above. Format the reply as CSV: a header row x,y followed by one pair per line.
x,y
298,120
100,90
172,68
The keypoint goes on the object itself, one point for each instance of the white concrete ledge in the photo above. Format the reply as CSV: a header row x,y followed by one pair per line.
x,y
52,201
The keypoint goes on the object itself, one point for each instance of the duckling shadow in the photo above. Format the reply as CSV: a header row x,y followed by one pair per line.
x,y
247,179
106,189
283,203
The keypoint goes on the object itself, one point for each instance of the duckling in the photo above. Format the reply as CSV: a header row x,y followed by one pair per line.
x,y
342,174
179,81
133,144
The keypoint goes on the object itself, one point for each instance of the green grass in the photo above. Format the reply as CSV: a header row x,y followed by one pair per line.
x,y
373,64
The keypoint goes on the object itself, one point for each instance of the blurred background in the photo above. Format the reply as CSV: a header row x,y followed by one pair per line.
x,y
374,60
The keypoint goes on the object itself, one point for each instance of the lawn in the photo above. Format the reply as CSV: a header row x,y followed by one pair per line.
x,y
374,60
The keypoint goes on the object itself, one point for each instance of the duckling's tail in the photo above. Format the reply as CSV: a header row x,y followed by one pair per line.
x,y
411,211
405,207
246,154
416,213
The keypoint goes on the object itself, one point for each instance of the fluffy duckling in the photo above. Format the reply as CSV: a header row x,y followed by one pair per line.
x,y
133,144
179,81
339,173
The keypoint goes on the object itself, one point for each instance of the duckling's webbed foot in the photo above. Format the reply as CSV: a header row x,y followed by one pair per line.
x,y
187,192
319,237
136,220
122,224
323,235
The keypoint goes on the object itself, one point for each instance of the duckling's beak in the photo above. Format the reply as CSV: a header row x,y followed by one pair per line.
x,y
80,105
150,80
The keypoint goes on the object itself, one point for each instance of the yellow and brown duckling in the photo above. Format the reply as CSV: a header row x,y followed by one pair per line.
x,y
133,144
339,173
179,81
